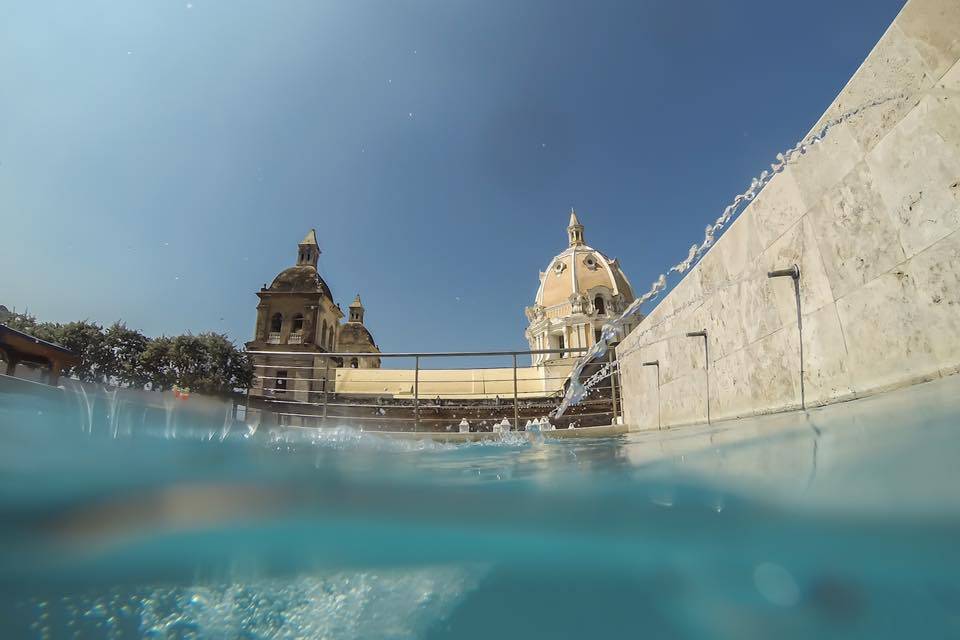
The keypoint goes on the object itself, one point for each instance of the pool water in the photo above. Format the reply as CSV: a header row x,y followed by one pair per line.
x,y
123,522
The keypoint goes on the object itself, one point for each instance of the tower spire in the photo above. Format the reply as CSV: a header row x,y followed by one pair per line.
x,y
356,310
574,230
308,251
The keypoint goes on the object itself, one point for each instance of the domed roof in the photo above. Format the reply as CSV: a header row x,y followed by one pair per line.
x,y
354,335
580,269
302,278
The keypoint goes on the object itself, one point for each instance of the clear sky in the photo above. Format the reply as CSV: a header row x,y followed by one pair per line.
x,y
159,161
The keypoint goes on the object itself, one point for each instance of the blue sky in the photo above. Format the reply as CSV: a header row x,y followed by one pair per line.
x,y
159,161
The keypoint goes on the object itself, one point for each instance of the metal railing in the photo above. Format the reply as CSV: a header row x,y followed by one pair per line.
x,y
308,390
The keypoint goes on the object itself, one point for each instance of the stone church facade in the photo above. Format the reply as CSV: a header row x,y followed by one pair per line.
x,y
299,321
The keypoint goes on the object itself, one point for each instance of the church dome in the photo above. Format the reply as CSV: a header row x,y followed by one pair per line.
x,y
301,279
354,335
580,293
581,272
304,277
356,338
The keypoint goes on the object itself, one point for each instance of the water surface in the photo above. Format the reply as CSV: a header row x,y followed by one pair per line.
x,y
124,521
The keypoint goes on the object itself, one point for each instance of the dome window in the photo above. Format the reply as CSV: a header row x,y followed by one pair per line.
x,y
599,305
559,267
590,262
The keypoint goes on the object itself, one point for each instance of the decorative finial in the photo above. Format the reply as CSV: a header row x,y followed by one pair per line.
x,y
356,310
574,229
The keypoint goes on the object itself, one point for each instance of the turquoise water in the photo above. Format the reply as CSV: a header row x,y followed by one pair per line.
x,y
123,521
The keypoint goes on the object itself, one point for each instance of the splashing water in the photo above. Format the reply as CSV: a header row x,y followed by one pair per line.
x,y
577,390
840,522
343,605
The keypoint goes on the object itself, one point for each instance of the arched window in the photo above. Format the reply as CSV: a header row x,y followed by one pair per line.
x,y
276,323
323,334
330,339
297,323
599,305
354,363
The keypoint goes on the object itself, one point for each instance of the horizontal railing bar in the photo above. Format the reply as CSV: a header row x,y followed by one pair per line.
x,y
376,381
449,394
529,394
422,370
426,354
413,420
284,366
465,407
474,419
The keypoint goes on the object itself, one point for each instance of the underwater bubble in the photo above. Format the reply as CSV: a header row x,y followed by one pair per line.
x,y
776,584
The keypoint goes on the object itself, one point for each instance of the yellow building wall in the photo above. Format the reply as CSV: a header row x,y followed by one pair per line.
x,y
453,383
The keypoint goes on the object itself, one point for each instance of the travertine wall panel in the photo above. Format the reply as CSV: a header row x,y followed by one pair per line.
x,y
872,218
826,377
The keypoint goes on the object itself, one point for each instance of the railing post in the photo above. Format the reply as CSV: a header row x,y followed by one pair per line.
x,y
326,390
416,394
516,406
613,386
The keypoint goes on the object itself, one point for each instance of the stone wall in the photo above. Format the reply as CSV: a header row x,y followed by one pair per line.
x,y
870,216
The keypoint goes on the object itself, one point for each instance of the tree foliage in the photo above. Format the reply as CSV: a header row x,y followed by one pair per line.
x,y
118,355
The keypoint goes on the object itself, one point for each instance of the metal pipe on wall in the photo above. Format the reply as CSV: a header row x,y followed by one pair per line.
x,y
794,274
656,363
706,364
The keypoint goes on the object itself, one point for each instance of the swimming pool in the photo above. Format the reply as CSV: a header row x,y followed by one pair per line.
x,y
840,522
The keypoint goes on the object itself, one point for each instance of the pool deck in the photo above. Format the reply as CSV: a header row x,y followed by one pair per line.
x,y
443,436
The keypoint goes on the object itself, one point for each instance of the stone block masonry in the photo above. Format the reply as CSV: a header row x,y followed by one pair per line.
x,y
871,218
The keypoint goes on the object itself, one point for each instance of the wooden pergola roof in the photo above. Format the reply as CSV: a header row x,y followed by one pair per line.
x,y
23,347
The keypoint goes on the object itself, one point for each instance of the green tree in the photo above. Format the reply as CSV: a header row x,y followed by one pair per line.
x,y
205,363
228,368
26,323
124,348
188,358
156,366
86,339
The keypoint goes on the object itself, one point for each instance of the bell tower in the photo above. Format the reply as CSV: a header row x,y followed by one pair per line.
x,y
308,250
356,310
